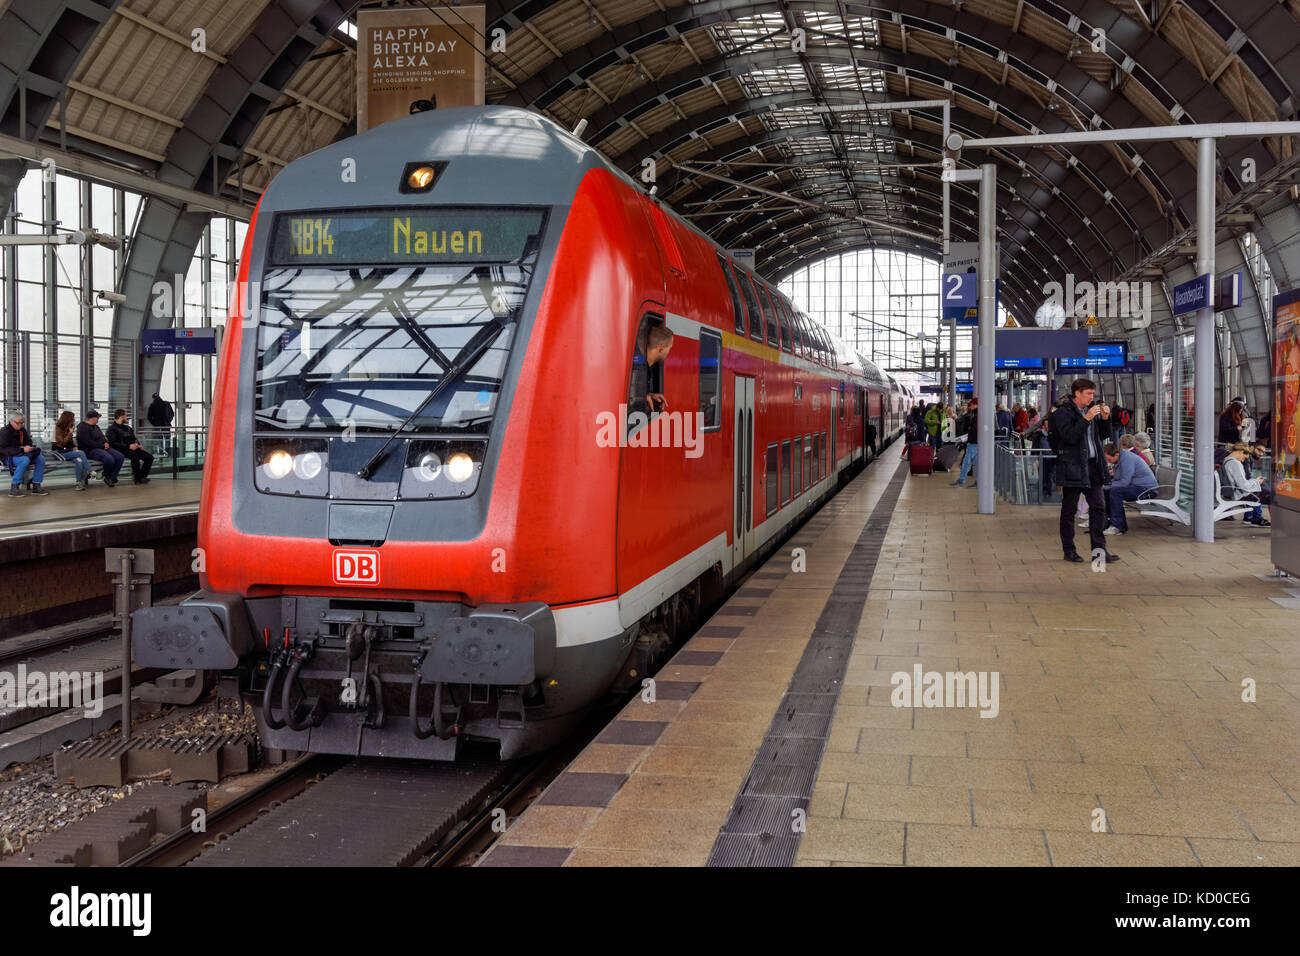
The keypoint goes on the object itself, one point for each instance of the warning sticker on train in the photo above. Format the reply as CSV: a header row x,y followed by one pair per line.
x,y
357,567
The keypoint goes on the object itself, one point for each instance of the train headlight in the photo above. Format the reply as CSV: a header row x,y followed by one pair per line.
x,y
460,467
307,466
420,177
278,464
429,467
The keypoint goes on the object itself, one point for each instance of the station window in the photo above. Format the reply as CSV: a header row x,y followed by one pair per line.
x,y
785,471
796,461
751,302
736,307
807,461
773,456
711,379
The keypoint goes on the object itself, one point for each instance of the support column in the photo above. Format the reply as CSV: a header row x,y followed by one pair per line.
x,y
988,321
1203,462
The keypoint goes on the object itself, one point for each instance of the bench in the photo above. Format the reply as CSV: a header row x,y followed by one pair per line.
x,y
52,466
1162,500
1231,507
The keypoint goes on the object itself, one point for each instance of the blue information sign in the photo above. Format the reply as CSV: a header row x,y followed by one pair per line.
x,y
1017,363
1193,294
966,315
960,290
1100,355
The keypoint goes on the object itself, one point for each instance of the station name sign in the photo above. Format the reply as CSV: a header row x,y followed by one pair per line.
x,y
389,237
1193,295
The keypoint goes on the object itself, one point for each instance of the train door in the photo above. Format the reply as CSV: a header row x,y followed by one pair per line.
x,y
834,463
742,540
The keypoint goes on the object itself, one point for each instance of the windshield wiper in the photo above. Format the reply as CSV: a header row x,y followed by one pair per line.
x,y
465,360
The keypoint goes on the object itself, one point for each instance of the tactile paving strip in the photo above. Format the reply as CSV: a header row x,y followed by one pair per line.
x,y
369,813
758,831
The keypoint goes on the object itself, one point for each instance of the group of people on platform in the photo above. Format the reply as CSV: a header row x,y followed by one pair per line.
x,y
79,443
1097,463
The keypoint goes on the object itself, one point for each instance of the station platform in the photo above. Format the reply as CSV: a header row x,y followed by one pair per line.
x,y
51,546
1143,716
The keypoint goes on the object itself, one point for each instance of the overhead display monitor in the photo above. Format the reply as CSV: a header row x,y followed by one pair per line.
x,y
1100,355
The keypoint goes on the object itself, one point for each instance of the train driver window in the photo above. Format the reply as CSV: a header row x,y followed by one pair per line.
x,y
711,379
737,309
645,394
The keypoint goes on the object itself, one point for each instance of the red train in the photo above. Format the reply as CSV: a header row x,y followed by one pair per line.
x,y
450,495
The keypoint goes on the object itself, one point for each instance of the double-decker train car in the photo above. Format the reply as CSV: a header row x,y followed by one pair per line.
x,y
461,481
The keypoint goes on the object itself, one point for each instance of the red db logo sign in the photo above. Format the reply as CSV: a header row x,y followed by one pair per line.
x,y
356,567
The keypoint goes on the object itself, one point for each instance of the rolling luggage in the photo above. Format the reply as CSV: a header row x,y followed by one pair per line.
x,y
949,456
921,458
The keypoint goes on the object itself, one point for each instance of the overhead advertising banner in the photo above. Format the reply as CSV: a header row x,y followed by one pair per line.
x,y
412,59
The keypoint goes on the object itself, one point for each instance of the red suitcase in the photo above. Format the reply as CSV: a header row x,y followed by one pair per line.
x,y
921,458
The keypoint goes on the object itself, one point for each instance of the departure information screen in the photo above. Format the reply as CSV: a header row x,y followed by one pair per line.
x,y
406,235
1018,363
1100,355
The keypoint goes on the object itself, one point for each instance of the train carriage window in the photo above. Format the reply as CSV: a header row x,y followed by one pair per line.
x,y
817,457
711,379
807,461
828,457
796,460
736,308
773,456
787,336
842,403
805,343
785,471
751,303
769,318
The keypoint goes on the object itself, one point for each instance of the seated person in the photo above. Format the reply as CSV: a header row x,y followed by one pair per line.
x,y
92,441
653,344
63,447
122,437
18,451
1142,445
1238,487
1131,478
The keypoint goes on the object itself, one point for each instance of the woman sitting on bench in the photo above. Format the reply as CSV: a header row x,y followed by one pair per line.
x,y
1242,488
64,447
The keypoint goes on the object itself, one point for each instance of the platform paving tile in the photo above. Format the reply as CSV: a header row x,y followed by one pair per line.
x,y
1213,852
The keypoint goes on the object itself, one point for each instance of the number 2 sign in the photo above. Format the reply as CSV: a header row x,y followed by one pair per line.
x,y
960,290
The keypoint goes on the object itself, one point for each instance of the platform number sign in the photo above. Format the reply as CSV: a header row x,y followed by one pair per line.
x,y
960,290
359,566
311,237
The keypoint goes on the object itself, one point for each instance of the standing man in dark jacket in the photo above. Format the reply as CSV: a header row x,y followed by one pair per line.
x,y
1079,430
160,416
18,449
122,437
93,442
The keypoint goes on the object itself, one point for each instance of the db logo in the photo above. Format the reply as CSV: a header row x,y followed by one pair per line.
x,y
356,567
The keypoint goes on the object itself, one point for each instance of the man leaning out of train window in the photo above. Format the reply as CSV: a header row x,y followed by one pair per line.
x,y
653,343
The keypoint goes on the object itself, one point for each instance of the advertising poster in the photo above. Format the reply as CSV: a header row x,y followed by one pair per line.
x,y
411,59
1286,399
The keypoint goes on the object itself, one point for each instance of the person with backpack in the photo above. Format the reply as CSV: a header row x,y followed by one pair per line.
x,y
933,422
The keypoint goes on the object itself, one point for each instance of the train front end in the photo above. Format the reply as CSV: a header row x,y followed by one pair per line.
x,y
380,520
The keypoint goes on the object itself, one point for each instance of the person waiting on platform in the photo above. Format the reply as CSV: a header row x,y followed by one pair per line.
x,y
1078,429
93,442
969,428
1131,478
1239,487
1142,445
19,452
1002,422
934,424
871,438
160,416
63,447
122,437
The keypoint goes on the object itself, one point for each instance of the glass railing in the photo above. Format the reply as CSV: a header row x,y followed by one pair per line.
x,y
1018,472
177,450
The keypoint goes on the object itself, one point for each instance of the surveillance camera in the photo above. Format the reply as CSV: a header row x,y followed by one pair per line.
x,y
116,298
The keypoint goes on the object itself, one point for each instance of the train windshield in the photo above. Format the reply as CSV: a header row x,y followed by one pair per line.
x,y
363,346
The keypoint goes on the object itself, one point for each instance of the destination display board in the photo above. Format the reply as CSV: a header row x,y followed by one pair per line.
x,y
479,234
1100,355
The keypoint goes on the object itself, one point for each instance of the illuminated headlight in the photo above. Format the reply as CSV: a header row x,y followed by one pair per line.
x,y
307,466
460,467
429,467
420,178
278,464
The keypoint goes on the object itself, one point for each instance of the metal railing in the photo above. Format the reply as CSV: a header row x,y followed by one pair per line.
x,y
1018,472
179,450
